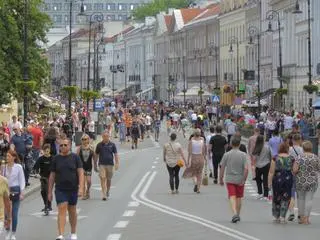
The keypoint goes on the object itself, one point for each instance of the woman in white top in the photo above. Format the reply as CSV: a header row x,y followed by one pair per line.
x,y
172,153
13,171
196,157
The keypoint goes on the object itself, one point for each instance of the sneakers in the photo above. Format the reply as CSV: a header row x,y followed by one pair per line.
x,y
60,237
291,218
73,236
260,196
8,235
13,237
235,219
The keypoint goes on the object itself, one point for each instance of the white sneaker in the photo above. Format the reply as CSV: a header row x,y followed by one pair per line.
x,y
8,235
60,237
13,237
259,196
73,236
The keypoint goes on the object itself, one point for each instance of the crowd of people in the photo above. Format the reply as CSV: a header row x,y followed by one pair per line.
x,y
278,156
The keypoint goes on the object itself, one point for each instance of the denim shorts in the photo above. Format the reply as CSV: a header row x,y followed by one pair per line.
x,y
71,197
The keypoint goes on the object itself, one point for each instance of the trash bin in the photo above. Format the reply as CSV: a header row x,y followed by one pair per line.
x,y
77,138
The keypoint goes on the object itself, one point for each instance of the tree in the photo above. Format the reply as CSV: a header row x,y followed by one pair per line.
x,y
12,21
156,6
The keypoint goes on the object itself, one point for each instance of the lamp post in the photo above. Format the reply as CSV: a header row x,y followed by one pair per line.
x,y
271,15
215,49
235,40
298,11
114,70
198,52
254,32
25,64
184,82
93,18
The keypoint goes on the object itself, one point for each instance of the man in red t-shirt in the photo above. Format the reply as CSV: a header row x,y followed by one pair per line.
x,y
37,136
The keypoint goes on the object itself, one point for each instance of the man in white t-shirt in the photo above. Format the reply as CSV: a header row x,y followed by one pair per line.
x,y
288,122
209,153
148,122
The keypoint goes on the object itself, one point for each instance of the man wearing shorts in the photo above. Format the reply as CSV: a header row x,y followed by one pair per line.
x,y
67,174
234,165
106,152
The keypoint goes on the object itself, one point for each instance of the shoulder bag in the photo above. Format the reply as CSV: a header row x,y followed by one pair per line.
x,y
180,162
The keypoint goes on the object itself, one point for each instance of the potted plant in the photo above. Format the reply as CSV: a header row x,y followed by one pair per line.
x,y
310,88
282,91
217,91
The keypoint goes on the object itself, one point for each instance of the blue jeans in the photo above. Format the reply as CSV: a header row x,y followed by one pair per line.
x,y
14,210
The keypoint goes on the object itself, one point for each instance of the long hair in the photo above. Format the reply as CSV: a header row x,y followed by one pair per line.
x,y
258,146
15,155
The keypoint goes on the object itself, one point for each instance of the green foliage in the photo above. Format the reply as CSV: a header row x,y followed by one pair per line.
x,y
71,91
11,46
282,91
156,6
311,88
89,95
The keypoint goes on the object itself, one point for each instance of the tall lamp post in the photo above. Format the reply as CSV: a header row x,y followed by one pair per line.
x,y
254,32
271,15
235,40
214,48
198,53
25,64
298,11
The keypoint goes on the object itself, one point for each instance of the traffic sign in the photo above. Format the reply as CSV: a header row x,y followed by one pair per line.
x,y
215,98
99,104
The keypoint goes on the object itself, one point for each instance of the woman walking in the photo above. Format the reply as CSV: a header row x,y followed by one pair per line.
x,y
196,159
281,180
13,171
86,154
262,156
308,168
172,153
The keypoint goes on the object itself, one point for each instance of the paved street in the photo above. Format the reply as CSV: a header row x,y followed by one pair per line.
x,y
140,207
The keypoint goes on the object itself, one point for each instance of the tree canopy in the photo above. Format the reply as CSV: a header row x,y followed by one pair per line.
x,y
12,21
154,7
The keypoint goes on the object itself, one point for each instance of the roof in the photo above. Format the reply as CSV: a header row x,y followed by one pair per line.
x,y
212,10
78,34
168,20
189,14
114,37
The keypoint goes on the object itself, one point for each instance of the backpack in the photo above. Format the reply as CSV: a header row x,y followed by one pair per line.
x,y
135,129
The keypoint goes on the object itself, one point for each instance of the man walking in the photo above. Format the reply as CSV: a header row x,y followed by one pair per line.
x,y
67,174
106,153
235,166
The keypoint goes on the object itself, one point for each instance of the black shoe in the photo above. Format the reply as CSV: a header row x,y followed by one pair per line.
x,y
291,218
44,209
195,189
210,175
215,181
49,209
235,219
254,179
104,199
132,147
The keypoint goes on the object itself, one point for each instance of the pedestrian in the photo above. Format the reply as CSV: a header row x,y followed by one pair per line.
x,y
217,144
5,206
196,159
307,170
107,159
209,151
13,171
251,145
67,175
295,151
86,153
4,145
51,138
281,181
234,165
135,133
157,126
43,164
172,154
231,129
262,156
122,131
274,143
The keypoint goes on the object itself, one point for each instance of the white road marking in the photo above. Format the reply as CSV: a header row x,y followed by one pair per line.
x,y
121,224
249,187
183,215
155,162
252,191
153,167
254,194
129,213
138,150
157,158
156,144
114,237
133,204
54,215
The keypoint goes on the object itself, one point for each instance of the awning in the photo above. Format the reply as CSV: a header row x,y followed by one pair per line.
x,y
316,103
144,91
46,98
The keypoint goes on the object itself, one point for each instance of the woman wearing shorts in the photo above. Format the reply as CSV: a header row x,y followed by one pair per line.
x,y
86,153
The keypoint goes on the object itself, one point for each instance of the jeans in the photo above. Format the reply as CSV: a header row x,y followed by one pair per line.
x,y
216,159
14,210
304,202
262,172
174,177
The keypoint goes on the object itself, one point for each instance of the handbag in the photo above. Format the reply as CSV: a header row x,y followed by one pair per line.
x,y
14,196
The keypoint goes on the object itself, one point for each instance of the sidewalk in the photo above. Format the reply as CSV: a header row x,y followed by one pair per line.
x,y
34,187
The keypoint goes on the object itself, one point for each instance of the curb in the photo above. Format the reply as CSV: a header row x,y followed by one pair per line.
x,y
31,190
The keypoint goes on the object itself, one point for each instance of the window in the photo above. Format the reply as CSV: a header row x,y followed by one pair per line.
x,y
98,6
110,7
120,17
124,17
66,6
88,7
120,6
111,17
131,6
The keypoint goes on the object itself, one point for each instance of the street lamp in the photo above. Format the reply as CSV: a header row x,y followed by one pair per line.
x,y
235,40
254,32
25,64
198,52
93,18
271,15
298,11
215,49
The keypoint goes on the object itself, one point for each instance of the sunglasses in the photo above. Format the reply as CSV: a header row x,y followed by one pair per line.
x,y
15,129
85,139
63,145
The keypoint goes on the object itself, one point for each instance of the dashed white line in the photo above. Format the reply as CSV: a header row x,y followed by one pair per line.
x,y
133,204
155,162
121,224
129,213
114,236
153,167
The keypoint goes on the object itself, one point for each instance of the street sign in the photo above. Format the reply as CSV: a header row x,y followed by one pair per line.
x,y
99,104
215,98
